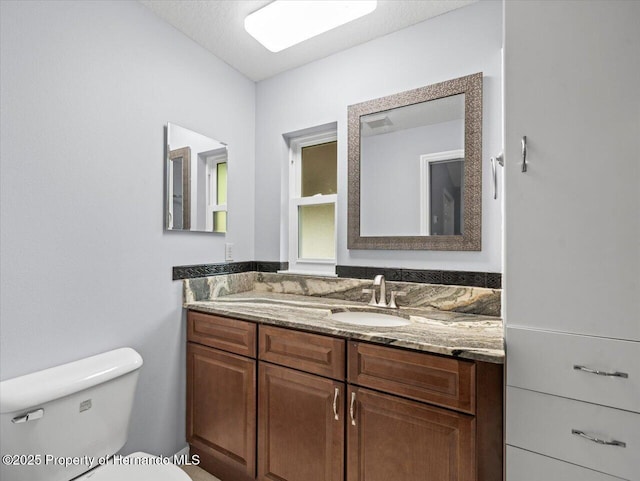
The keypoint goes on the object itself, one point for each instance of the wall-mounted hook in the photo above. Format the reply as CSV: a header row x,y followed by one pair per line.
x,y
494,171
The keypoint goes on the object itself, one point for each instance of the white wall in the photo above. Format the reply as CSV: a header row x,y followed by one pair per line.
x,y
86,90
458,43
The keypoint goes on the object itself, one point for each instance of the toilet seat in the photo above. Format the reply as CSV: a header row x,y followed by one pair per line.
x,y
136,472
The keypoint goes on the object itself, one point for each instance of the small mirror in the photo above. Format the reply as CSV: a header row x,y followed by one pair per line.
x,y
196,193
415,168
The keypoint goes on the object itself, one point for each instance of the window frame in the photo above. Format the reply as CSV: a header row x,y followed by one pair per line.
x,y
298,265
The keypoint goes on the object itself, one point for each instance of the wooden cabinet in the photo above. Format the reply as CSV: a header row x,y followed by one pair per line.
x,y
300,427
391,438
437,380
313,353
300,414
417,439
326,409
221,404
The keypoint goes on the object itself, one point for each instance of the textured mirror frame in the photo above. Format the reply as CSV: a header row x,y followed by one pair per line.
x,y
471,238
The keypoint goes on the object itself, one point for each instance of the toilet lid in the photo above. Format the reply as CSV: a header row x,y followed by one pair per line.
x,y
141,469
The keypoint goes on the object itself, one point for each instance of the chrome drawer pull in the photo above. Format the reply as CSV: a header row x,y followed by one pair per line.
x,y
601,373
582,434
352,409
335,404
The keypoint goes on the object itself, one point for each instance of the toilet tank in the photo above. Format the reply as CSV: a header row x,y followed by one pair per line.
x,y
57,423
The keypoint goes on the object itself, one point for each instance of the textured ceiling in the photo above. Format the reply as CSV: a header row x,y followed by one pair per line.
x,y
218,25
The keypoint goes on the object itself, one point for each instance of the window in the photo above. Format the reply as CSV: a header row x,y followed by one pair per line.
x,y
312,204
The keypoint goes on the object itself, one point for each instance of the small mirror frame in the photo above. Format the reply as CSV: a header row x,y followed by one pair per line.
x,y
471,238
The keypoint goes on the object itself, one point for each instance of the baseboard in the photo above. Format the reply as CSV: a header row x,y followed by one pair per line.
x,y
183,452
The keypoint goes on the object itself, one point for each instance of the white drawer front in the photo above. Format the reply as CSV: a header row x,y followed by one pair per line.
x,y
544,361
527,466
543,423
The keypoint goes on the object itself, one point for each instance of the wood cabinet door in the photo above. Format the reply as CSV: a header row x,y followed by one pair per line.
x,y
391,438
300,433
221,410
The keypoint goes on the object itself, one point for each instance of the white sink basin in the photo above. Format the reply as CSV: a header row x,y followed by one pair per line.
x,y
374,319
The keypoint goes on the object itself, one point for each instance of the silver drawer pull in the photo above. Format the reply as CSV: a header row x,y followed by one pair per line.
x,y
352,409
335,404
601,373
37,414
582,434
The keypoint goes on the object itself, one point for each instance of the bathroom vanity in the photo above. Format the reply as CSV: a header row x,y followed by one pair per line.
x,y
277,390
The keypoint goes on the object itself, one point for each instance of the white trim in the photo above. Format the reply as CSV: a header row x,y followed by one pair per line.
x,y
309,273
425,182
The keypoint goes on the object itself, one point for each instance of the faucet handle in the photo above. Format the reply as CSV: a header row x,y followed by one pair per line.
x,y
372,302
392,301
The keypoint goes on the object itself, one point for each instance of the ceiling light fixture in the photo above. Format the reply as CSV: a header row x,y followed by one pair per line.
x,y
284,23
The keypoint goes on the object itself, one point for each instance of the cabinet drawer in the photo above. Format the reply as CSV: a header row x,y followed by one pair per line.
x,y
438,380
527,466
312,353
543,423
232,335
554,373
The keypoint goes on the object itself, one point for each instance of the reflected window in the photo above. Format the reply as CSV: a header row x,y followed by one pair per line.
x,y
220,215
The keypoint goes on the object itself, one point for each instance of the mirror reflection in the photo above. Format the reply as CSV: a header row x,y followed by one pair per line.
x,y
415,169
196,169
411,173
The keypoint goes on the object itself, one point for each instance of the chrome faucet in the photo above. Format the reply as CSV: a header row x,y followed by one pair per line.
x,y
382,298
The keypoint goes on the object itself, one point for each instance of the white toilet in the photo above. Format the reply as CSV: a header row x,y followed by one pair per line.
x,y
63,423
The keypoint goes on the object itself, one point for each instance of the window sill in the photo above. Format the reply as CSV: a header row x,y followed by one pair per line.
x,y
308,273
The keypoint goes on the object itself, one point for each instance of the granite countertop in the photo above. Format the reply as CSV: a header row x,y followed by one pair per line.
x,y
458,334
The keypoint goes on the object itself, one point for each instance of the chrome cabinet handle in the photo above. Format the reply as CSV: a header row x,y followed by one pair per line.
x,y
623,375
582,434
352,409
524,153
335,404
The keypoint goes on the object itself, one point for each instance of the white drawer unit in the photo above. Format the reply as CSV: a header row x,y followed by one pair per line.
x,y
527,466
592,369
597,437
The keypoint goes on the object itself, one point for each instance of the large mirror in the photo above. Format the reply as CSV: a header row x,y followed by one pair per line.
x,y
415,171
196,173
